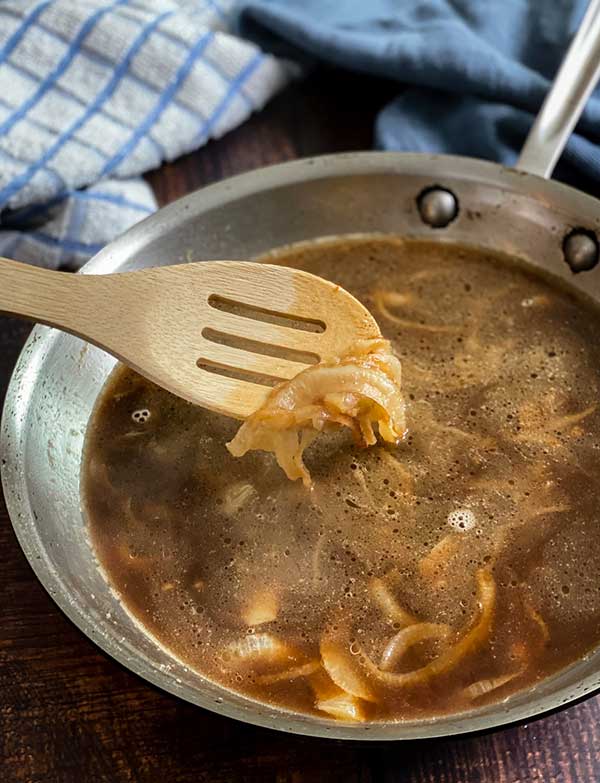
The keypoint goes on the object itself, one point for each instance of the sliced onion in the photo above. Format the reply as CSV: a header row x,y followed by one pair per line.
x,y
133,562
557,508
330,698
437,558
236,496
538,620
423,412
323,686
344,669
355,391
563,422
482,687
384,299
406,477
262,608
343,707
304,670
260,647
537,426
452,656
399,644
388,604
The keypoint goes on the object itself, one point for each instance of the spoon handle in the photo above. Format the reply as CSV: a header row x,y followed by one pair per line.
x,y
52,298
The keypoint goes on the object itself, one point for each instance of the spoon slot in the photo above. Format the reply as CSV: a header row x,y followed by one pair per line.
x,y
254,346
289,320
237,374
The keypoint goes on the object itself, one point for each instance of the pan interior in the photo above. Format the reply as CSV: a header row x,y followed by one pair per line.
x,y
484,509
58,380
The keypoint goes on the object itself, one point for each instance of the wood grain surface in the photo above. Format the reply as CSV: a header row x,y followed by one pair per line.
x,y
70,713
177,301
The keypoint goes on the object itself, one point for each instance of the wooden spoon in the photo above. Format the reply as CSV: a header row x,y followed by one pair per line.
x,y
218,333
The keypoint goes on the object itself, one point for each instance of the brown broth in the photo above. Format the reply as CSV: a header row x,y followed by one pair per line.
x,y
501,374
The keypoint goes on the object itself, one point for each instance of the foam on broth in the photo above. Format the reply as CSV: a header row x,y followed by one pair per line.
x,y
243,573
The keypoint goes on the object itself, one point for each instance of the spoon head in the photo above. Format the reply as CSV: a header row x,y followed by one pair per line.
x,y
221,334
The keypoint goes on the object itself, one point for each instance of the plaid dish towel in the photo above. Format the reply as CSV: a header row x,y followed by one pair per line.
x,y
92,94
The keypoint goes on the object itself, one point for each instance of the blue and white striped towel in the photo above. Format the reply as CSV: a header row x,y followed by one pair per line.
x,y
93,93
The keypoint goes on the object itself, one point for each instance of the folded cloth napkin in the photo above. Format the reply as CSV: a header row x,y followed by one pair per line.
x,y
93,93
473,73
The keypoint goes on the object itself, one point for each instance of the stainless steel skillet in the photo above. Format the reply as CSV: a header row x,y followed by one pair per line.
x,y
449,199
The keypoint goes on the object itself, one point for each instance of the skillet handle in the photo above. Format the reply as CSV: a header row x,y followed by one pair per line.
x,y
562,107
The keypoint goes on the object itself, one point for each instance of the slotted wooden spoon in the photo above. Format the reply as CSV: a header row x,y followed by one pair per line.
x,y
218,333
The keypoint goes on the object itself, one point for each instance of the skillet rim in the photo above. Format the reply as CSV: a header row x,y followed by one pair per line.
x,y
434,167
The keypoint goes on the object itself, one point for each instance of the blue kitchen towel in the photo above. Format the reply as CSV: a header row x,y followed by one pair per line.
x,y
473,72
95,92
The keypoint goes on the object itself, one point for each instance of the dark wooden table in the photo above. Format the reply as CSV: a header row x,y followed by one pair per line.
x,y
70,713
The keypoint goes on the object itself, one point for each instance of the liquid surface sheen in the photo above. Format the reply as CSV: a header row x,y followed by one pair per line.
x,y
478,532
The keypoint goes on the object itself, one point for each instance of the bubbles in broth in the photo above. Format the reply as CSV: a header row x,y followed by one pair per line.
x,y
412,581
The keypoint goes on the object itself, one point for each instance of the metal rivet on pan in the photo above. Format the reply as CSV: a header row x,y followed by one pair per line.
x,y
437,206
580,249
